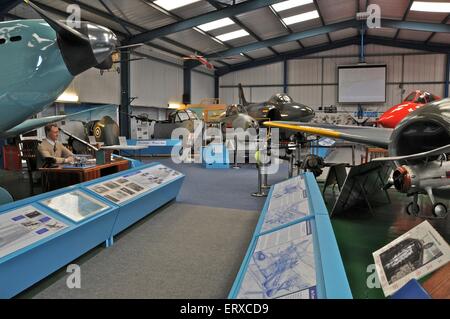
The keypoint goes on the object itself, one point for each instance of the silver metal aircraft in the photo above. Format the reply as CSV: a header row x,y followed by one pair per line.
x,y
418,147
236,116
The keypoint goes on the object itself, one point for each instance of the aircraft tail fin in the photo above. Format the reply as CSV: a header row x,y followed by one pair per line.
x,y
242,99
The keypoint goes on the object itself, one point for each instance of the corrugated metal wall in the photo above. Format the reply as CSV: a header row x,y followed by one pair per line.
x,y
202,87
91,87
155,83
313,80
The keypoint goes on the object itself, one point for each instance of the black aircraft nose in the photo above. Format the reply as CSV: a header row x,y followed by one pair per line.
x,y
300,113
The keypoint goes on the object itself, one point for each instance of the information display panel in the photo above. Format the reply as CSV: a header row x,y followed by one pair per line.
x,y
24,226
75,205
282,265
128,186
289,202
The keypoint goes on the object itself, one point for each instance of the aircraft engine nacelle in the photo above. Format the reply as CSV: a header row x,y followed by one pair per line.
x,y
425,129
403,177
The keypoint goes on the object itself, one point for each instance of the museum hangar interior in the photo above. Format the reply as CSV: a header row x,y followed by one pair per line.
x,y
225,149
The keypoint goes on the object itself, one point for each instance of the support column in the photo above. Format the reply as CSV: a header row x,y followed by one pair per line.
x,y
124,108
216,86
362,58
447,76
285,76
187,85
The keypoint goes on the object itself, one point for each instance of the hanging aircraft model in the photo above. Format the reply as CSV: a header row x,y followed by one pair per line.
x,y
206,62
412,102
418,147
39,59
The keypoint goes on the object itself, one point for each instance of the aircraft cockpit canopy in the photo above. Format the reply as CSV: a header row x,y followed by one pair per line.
x,y
181,116
280,98
235,109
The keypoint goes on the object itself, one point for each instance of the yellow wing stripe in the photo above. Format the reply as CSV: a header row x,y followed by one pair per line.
x,y
305,129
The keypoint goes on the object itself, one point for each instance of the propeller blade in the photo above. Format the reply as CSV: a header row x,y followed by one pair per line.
x,y
62,29
79,51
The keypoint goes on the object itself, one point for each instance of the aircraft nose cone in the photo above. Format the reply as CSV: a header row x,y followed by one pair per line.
x,y
103,41
387,121
302,113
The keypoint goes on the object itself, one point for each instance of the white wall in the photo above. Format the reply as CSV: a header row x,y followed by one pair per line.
x,y
202,87
313,79
91,87
155,83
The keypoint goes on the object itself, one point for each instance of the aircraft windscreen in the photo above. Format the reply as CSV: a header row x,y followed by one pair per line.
x,y
410,97
281,98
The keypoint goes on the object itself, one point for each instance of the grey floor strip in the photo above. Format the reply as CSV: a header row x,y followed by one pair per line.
x,y
182,251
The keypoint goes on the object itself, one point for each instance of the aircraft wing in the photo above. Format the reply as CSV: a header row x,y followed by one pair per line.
x,y
32,124
435,152
375,136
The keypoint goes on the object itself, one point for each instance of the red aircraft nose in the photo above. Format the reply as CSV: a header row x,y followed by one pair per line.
x,y
388,121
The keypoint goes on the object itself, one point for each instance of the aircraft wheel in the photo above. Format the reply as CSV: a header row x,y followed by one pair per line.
x,y
413,209
439,210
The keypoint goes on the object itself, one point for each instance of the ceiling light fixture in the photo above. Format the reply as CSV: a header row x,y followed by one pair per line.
x,y
301,17
441,7
216,24
173,4
232,35
278,7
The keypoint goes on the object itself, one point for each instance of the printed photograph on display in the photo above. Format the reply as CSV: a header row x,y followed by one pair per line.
x,y
126,187
25,226
411,256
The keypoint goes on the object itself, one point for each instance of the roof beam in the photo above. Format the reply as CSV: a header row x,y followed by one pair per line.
x,y
387,23
178,18
230,11
288,29
412,25
288,38
407,44
8,5
404,17
125,24
447,19
218,6
321,18
117,32
334,45
289,55
115,18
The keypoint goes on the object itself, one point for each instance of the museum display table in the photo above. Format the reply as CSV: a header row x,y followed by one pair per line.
x,y
41,234
293,253
66,175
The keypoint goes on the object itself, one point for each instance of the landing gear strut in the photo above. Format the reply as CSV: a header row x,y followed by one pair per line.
x,y
439,209
413,208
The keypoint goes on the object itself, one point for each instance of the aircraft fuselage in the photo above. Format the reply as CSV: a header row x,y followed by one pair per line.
x,y
280,111
33,72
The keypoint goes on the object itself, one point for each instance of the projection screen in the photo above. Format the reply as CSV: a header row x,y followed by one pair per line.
x,y
362,83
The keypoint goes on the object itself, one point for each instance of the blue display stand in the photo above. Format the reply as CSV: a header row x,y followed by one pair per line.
x,y
304,207
142,205
155,147
318,149
215,156
26,266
